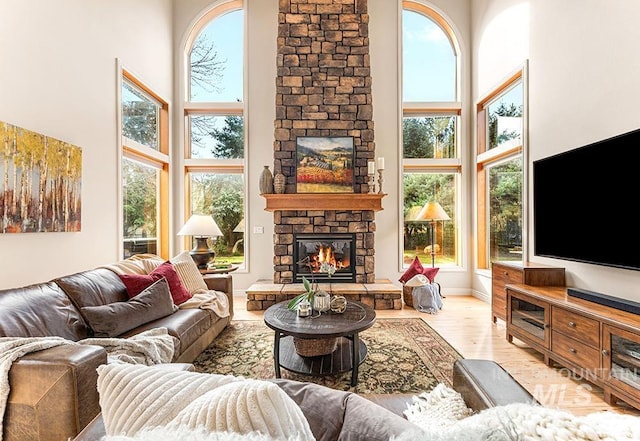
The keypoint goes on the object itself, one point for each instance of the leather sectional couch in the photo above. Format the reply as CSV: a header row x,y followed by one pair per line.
x,y
53,393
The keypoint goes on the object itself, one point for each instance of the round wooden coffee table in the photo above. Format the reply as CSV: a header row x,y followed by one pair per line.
x,y
350,352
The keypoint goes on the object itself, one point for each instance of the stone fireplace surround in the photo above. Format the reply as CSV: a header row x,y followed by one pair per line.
x,y
323,88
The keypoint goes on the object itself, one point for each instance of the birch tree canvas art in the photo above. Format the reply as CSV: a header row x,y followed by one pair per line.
x,y
41,178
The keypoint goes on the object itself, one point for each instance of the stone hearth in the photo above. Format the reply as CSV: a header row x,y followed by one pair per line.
x,y
379,295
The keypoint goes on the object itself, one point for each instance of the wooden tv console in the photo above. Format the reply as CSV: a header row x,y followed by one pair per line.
x,y
599,343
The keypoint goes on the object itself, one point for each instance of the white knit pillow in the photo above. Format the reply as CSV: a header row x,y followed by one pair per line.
x,y
188,272
134,397
244,407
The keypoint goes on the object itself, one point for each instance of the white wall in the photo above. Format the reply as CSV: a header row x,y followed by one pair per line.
x,y
58,77
584,73
583,86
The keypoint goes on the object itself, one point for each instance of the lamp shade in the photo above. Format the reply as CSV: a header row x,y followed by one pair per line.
x,y
432,211
240,227
200,225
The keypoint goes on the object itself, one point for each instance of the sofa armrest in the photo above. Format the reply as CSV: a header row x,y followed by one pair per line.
x,y
53,393
224,283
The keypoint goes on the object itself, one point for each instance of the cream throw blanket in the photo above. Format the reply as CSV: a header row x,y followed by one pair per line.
x,y
150,347
136,398
153,346
442,415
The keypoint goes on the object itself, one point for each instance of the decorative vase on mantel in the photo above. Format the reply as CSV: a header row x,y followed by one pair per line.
x,y
279,182
266,181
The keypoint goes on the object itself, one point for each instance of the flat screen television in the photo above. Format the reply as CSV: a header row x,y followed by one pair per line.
x,y
585,203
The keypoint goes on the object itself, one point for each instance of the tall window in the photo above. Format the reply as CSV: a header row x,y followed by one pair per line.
x,y
214,126
500,172
144,169
430,126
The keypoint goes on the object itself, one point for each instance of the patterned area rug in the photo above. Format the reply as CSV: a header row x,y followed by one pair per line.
x,y
405,356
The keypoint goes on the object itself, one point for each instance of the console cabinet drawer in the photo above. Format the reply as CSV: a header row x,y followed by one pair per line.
x,y
579,354
581,328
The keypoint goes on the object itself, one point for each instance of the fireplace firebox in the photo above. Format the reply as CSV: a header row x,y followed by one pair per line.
x,y
337,249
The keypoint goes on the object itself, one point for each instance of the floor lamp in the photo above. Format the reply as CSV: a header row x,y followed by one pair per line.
x,y
432,212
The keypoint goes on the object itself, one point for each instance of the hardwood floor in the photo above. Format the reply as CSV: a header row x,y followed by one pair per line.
x,y
466,324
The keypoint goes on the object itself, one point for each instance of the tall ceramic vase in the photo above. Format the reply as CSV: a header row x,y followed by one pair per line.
x,y
266,181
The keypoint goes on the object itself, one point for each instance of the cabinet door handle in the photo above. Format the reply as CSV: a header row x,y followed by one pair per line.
x,y
605,352
572,350
572,325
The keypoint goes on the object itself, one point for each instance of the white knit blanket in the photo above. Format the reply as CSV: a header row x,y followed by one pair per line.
x,y
153,346
150,347
216,301
442,415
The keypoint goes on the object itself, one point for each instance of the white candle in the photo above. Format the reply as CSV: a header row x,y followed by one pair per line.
x,y
372,167
380,163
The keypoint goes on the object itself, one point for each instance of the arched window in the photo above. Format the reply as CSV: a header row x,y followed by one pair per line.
x,y
214,126
430,135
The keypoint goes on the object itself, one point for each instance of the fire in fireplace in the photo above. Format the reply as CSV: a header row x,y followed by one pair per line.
x,y
310,251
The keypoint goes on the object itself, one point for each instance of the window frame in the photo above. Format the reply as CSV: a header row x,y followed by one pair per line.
x,y
431,109
159,159
487,158
213,108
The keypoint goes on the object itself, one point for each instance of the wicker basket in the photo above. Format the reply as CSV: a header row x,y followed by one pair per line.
x,y
407,295
315,347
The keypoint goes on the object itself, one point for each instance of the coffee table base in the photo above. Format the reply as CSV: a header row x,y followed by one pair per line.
x,y
338,361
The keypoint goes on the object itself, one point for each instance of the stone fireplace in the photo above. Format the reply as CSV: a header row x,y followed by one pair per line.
x,y
323,89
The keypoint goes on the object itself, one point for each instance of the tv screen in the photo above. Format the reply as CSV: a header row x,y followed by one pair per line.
x,y
585,203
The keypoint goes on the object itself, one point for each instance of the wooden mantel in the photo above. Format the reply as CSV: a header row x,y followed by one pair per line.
x,y
324,201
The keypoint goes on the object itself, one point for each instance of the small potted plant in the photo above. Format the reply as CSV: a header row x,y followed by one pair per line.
x,y
307,295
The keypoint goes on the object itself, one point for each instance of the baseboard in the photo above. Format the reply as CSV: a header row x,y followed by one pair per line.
x,y
481,296
606,300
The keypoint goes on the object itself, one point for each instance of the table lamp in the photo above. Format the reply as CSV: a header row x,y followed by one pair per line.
x,y
201,226
432,212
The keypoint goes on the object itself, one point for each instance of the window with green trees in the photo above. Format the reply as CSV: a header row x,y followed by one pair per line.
x,y
500,172
430,126
214,115
144,169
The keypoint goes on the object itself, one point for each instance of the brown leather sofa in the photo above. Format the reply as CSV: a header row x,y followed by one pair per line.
x,y
53,393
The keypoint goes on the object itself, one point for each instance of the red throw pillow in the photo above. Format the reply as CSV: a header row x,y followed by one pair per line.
x,y
136,283
414,269
430,273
